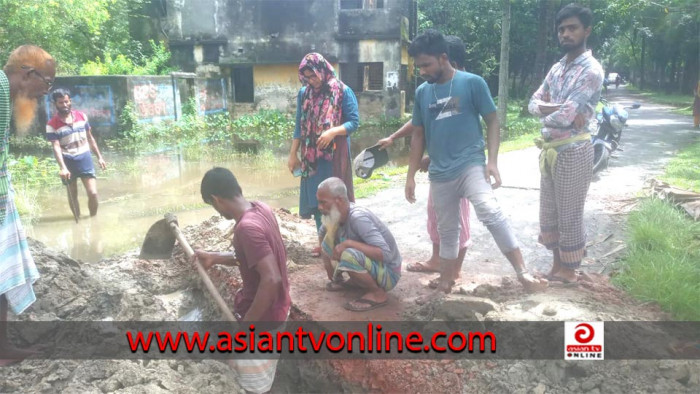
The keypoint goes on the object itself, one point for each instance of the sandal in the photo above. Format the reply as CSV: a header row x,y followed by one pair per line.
x,y
370,305
316,252
420,267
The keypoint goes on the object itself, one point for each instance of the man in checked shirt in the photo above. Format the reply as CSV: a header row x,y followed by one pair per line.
x,y
566,104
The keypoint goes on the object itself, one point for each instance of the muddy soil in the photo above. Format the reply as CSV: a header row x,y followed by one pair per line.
x,y
127,288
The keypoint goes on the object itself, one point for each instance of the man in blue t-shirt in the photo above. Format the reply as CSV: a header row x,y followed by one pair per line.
x,y
446,119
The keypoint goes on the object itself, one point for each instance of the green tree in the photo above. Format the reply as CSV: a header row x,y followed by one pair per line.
x,y
503,63
76,31
654,42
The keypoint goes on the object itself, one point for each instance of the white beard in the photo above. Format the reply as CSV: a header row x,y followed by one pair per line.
x,y
332,219
24,111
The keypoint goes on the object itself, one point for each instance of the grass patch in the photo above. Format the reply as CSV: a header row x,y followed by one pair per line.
x,y
381,179
682,102
684,169
30,175
664,246
521,129
520,142
31,144
662,262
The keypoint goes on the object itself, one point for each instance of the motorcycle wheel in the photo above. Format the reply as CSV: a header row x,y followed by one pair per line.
x,y
600,157
615,135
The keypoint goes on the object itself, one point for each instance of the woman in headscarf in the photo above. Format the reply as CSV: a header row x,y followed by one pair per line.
x,y
326,116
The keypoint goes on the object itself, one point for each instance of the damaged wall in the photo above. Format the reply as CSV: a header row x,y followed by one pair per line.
x,y
256,45
276,86
103,98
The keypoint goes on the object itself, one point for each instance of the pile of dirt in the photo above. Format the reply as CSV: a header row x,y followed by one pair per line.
x,y
618,376
118,376
595,300
128,288
121,288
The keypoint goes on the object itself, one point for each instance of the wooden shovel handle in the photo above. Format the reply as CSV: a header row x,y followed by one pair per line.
x,y
72,202
202,273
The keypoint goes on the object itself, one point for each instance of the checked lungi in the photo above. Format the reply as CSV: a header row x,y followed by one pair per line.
x,y
562,199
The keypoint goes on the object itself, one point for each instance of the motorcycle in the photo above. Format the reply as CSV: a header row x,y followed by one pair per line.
x,y
611,120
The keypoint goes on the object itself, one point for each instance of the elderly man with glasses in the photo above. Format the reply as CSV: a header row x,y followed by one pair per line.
x,y
26,77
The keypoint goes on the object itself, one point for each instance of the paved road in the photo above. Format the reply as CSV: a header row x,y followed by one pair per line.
x,y
653,135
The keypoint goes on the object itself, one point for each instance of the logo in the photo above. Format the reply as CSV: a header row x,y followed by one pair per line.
x,y
584,340
445,108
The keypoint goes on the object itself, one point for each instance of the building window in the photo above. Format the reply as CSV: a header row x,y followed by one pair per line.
x,y
211,54
363,76
243,85
361,4
375,79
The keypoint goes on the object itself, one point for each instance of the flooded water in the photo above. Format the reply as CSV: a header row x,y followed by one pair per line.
x,y
131,200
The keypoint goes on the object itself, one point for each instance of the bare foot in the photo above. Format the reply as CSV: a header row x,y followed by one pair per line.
x,y
553,271
565,275
532,284
584,277
556,267
556,263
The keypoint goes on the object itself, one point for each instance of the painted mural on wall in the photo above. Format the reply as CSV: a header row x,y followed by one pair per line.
x,y
94,100
154,101
210,95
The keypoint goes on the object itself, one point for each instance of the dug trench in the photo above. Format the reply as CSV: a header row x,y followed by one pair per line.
x,y
127,288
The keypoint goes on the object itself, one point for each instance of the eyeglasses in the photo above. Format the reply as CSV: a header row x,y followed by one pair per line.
x,y
48,82
308,78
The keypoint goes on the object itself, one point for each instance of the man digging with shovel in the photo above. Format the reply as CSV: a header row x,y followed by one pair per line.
x,y
262,259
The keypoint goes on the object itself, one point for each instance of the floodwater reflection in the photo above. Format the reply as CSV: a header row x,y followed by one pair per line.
x,y
130,202
135,192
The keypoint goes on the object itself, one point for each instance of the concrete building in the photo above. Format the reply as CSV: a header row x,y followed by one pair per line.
x,y
256,46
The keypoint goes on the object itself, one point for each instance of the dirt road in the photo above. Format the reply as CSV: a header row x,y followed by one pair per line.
x,y
653,135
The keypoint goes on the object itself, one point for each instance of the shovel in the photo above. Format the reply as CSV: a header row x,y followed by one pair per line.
x,y
158,245
71,201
